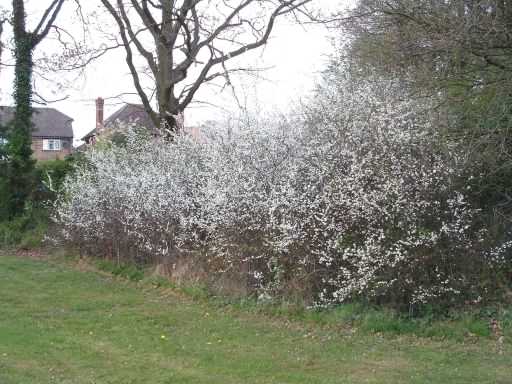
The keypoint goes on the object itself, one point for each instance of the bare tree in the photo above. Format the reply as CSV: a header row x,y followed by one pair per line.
x,y
67,46
187,43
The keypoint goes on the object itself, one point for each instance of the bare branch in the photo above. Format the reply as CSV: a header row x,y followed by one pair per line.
x,y
47,21
39,99
129,61
146,54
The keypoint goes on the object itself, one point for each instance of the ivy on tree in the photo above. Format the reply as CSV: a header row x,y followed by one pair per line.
x,y
18,178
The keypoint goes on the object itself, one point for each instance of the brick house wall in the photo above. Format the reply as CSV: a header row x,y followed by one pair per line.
x,y
40,154
48,124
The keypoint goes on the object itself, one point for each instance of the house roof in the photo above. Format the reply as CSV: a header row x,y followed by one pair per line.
x,y
129,113
48,122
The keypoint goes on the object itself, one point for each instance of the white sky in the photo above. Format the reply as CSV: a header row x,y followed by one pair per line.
x,y
296,55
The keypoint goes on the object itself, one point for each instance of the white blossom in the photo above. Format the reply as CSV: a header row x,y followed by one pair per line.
x,y
358,199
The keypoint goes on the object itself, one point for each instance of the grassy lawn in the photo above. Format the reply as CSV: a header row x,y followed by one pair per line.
x,y
62,325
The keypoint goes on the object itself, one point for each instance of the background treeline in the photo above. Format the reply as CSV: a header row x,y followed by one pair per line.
x,y
460,54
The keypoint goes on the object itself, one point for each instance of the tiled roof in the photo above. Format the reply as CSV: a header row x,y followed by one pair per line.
x,y
48,122
130,113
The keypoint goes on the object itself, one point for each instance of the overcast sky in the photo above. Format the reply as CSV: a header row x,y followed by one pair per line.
x,y
294,55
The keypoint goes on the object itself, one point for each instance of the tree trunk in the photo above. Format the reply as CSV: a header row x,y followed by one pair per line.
x,y
167,104
21,164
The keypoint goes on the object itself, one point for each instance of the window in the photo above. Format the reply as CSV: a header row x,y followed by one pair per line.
x,y
52,145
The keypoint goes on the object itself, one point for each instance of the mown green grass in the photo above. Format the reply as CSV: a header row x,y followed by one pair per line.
x,y
61,325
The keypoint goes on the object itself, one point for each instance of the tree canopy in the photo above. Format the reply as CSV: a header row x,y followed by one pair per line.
x,y
188,43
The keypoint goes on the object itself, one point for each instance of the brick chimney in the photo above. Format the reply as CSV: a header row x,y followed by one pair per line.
x,y
99,114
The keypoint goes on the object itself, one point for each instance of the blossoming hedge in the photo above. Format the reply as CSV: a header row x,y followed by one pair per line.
x,y
358,200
